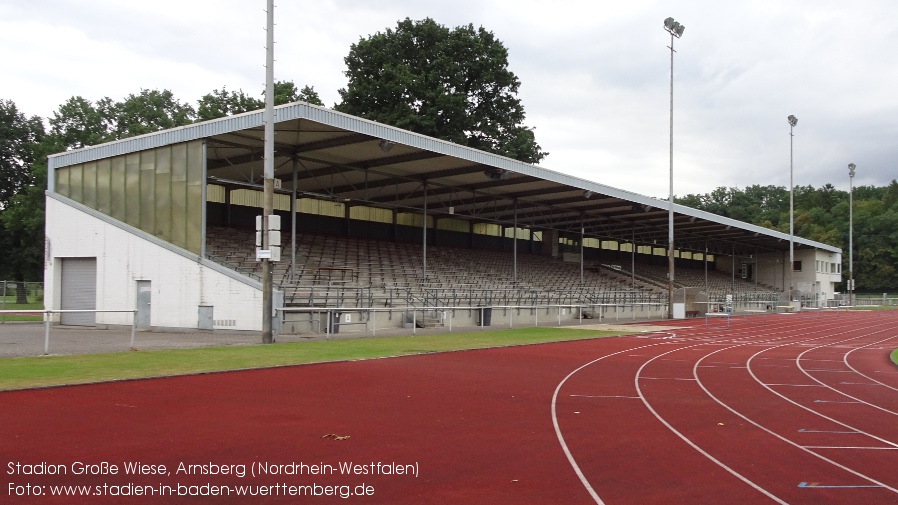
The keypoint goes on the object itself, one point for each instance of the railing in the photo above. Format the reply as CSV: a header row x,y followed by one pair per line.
x,y
47,320
239,269
584,311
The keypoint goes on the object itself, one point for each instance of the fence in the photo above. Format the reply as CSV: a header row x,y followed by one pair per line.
x,y
21,293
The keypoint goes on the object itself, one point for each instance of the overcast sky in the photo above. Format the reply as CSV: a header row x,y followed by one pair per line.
x,y
595,74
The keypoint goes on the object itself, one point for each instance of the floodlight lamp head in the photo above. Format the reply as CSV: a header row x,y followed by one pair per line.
x,y
385,145
851,167
792,120
587,194
673,27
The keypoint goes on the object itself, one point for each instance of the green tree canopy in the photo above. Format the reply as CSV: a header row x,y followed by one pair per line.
x,y
450,84
19,136
23,150
822,214
228,103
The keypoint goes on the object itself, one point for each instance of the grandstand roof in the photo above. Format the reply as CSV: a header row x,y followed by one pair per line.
x,y
356,161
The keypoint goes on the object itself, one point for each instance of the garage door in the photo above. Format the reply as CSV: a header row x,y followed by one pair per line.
x,y
79,291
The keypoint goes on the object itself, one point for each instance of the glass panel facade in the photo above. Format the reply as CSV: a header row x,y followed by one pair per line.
x,y
158,191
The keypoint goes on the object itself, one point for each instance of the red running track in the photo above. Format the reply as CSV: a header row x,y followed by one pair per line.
x,y
788,409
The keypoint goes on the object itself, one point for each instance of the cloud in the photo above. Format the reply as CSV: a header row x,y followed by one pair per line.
x,y
595,75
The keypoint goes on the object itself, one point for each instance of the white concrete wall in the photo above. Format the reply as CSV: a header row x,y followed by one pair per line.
x,y
180,283
819,282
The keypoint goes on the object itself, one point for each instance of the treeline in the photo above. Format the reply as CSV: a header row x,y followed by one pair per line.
x,y
822,214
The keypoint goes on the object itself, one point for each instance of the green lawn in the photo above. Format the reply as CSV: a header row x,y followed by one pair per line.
x,y
7,317
895,356
22,373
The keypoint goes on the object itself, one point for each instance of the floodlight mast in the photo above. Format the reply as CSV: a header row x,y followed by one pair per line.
x,y
792,122
851,167
675,29
268,177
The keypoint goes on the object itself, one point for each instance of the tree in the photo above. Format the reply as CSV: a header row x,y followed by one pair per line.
x,y
450,84
22,233
21,196
80,123
309,95
228,103
18,136
150,111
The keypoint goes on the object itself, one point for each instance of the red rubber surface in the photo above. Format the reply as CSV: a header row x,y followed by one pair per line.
x,y
789,409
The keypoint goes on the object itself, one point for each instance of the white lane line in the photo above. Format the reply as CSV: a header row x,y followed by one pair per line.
x,y
851,448
845,360
692,444
805,430
777,435
564,447
604,396
795,385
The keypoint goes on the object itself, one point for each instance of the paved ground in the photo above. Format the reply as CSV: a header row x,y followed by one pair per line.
x,y
27,339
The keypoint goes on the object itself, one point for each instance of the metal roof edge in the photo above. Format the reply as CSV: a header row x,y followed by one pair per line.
x,y
330,117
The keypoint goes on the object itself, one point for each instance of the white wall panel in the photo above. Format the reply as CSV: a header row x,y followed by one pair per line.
x,y
180,284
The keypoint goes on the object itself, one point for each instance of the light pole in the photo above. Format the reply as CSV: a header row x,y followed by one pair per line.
x,y
851,167
792,122
675,29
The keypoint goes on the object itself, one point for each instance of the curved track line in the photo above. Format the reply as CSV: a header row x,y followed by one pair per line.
x,y
793,402
561,441
845,360
776,435
686,439
704,339
798,364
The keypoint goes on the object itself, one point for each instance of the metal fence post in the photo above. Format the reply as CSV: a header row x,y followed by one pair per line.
x,y
46,332
133,325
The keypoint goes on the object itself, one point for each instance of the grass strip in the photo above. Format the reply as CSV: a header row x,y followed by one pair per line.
x,y
23,373
8,317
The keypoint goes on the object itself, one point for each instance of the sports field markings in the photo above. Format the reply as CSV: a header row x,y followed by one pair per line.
x,y
564,447
852,370
563,443
794,385
851,447
767,346
838,401
813,485
605,396
692,444
805,430
861,384
845,360
777,435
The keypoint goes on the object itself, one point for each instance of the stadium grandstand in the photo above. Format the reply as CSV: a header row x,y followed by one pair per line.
x,y
374,217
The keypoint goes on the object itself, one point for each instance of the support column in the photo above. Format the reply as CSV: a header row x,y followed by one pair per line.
x,y
581,249
515,241
424,227
293,222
